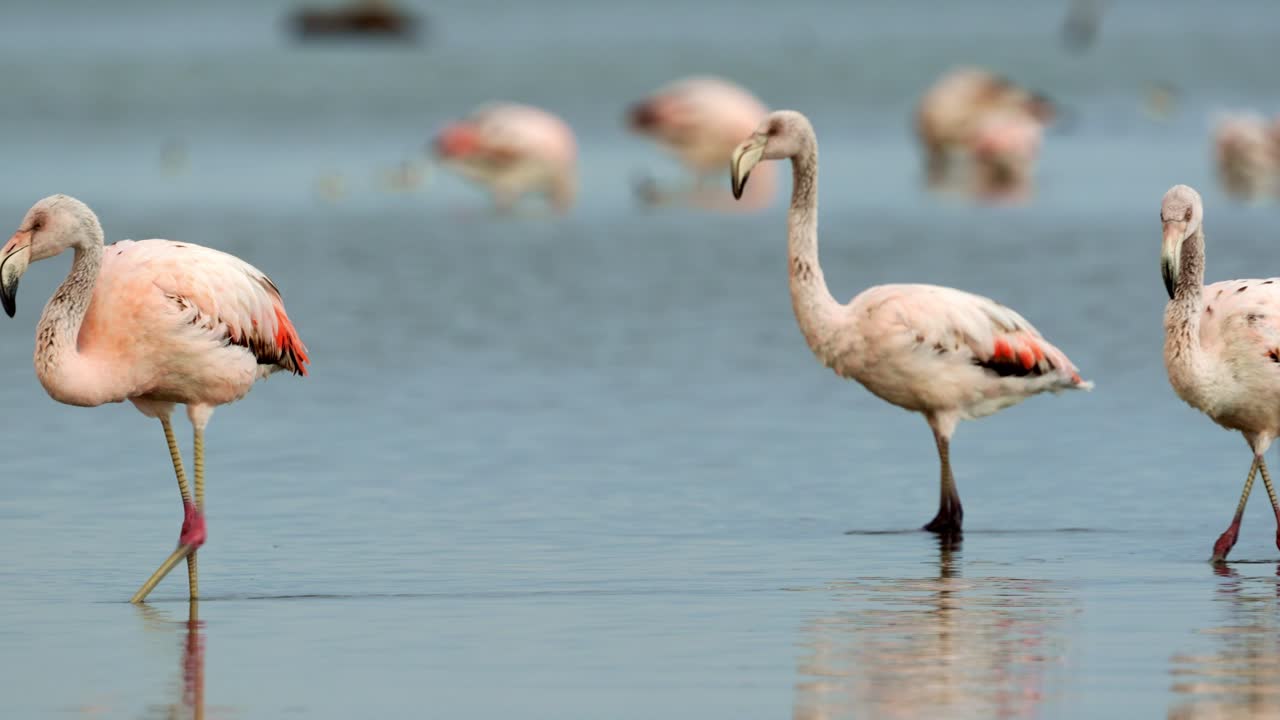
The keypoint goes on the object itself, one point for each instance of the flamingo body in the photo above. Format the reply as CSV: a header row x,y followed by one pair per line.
x,y
996,123
938,350
1238,386
699,120
513,150
176,322
1246,153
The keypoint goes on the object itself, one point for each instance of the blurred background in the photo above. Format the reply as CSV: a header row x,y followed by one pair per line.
x,y
582,464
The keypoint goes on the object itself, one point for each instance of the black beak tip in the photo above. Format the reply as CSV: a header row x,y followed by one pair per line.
x,y
10,307
739,186
641,117
1169,281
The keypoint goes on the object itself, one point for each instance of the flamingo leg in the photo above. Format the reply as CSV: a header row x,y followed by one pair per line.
x,y
1228,539
188,542
178,469
950,513
1271,493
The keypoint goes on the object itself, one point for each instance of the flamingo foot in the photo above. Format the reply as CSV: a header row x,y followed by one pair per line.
x,y
193,530
1227,541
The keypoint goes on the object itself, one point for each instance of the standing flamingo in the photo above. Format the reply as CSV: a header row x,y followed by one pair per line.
x,y
944,353
1005,149
1247,155
700,119
953,108
153,322
1223,355
513,150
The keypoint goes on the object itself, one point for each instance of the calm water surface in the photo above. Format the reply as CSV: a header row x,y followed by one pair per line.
x,y
585,467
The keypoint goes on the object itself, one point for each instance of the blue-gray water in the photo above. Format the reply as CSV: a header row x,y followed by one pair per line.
x,y
586,467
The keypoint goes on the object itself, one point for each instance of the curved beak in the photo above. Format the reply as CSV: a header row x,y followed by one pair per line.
x,y
14,257
1171,253
745,157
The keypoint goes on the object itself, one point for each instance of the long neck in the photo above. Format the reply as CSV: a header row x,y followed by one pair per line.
x,y
1184,357
814,307
59,365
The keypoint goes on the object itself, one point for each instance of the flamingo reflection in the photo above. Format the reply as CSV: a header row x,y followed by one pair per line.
x,y
1240,676
938,646
190,703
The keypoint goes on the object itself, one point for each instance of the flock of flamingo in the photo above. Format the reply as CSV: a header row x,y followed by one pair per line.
x,y
161,323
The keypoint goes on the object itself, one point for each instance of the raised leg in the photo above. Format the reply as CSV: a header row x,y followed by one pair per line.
x,y
193,530
1271,493
1228,539
950,513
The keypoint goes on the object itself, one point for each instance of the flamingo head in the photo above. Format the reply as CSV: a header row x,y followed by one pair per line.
x,y
457,141
782,134
49,227
1181,213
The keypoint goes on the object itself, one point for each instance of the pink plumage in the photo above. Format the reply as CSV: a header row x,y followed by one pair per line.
x,y
945,353
154,322
513,150
699,119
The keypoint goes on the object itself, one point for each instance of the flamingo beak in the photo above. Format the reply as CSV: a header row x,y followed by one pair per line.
x,y
14,258
745,157
1171,253
642,117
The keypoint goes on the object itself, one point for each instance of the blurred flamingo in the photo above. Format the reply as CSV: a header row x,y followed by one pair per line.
x,y
1245,152
513,150
944,353
700,119
1005,148
1221,344
153,322
954,107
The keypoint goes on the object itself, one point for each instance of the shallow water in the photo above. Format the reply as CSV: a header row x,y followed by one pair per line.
x,y
586,467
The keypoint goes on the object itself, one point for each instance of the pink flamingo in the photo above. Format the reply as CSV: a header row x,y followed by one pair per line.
x,y
953,108
1246,155
153,322
944,353
1005,148
513,150
1221,344
700,119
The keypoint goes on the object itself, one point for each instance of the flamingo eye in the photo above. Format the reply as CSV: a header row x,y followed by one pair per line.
x,y
1188,216
37,224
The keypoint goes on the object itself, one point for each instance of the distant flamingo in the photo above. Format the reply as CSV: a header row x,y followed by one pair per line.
x,y
513,150
944,353
700,119
153,322
953,108
1221,344
1247,155
1005,148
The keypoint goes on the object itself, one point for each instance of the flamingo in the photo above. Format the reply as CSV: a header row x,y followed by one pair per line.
x,y
700,119
513,150
951,110
1246,154
1005,148
154,322
1221,344
945,353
